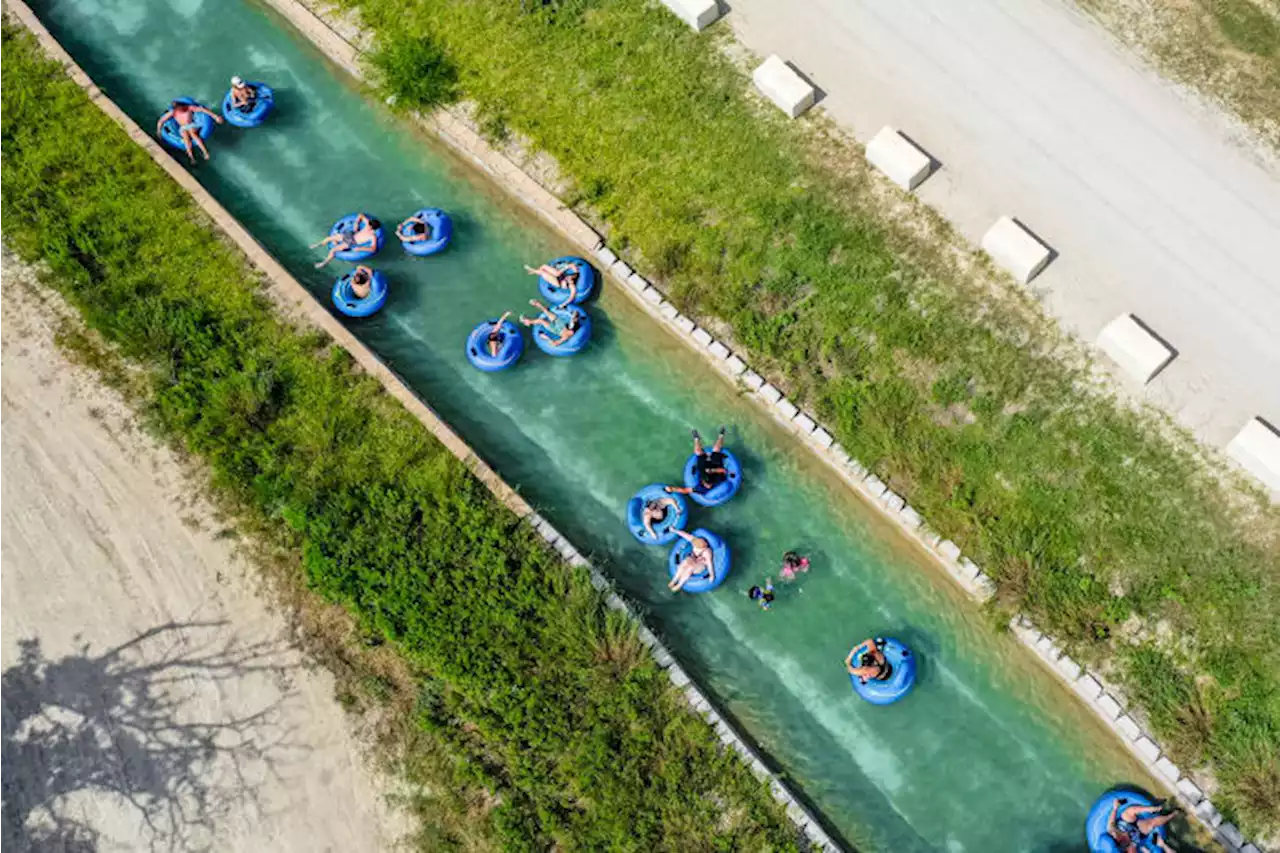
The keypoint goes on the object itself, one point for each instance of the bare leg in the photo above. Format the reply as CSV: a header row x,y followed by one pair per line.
x,y
1147,825
195,137
333,250
719,445
186,143
697,444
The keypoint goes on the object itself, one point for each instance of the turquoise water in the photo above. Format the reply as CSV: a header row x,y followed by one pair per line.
x,y
988,753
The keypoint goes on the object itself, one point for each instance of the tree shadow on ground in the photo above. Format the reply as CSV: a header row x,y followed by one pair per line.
x,y
124,724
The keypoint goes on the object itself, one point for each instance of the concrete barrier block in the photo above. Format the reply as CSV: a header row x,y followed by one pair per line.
x,y
1189,791
599,581
566,549
770,394
1107,706
899,158
1257,449
702,336
667,310
579,562
648,639
637,282
1068,667
909,518
606,256
1208,813
839,454
1168,770
622,270
931,537
798,815
1088,687
804,423
1016,249
735,365
1249,848
614,602
968,567
549,533
786,408
652,295
698,14
684,324
718,349
662,657
1128,727
752,380
1048,649
1147,749
949,550
893,501
822,438
856,469
875,486
677,675
1139,352
984,587
1230,834
779,82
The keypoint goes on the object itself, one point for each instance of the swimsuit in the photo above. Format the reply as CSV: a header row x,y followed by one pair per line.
x,y
707,477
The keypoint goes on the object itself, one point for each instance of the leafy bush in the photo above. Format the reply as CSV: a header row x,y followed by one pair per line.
x,y
581,749
415,70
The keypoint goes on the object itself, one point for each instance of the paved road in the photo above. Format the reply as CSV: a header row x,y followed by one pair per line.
x,y
1155,204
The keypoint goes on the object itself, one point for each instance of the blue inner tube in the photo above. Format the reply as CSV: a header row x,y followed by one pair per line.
x,y
345,300
577,341
441,233
901,679
675,519
723,490
256,114
560,295
1095,826
345,225
508,353
720,562
173,137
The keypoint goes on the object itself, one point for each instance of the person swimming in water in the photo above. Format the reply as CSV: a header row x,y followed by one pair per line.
x,y
497,336
363,234
415,229
793,564
243,96
184,116
701,560
559,277
710,466
1133,827
561,329
655,512
872,664
763,595
361,282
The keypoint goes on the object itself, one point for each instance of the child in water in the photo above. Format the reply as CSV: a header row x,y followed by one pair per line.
x,y
793,564
762,595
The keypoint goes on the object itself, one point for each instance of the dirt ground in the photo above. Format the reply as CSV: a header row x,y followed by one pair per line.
x,y
151,697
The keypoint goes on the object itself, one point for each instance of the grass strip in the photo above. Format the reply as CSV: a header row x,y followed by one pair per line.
x,y
534,691
1101,522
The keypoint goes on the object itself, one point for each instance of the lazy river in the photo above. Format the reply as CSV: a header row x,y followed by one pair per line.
x,y
988,753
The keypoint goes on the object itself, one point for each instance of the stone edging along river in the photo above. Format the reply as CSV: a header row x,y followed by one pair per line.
x,y
1102,699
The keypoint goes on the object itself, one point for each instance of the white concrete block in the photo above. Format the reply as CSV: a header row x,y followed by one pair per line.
x,y
1015,249
718,349
752,380
698,14
1138,350
615,602
984,587
702,336
770,394
622,270
1147,749
1231,834
677,675
1108,706
599,581
666,309
875,486
786,408
1249,848
647,638
1190,791
931,537
839,454
778,82
652,295
1128,727
822,438
893,501
637,282
684,324
1168,770
969,567
1068,667
899,158
735,365
804,423
1257,449
662,657
949,549
856,469
579,562
1048,649
1208,813
606,255
1088,687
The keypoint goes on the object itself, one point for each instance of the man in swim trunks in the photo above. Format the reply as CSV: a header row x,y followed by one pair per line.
x,y
561,278
414,229
362,235
243,96
361,282
872,665
184,115
710,466
497,336
561,329
700,560
1134,826
655,511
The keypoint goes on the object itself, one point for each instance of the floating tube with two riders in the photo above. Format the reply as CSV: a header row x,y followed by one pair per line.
x,y
346,225
902,675
560,295
346,301
721,562
263,102
575,343
722,491
1095,826
510,347
665,529
441,230
172,135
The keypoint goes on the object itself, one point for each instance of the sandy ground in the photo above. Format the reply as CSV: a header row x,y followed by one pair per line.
x,y
1156,206
151,699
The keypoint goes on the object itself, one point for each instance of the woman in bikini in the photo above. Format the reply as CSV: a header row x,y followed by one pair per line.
x,y
561,329
700,559
561,278
184,115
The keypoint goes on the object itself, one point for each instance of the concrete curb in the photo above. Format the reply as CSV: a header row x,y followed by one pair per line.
x,y
303,306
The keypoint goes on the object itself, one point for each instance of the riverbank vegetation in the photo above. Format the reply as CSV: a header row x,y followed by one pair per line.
x,y
1103,523
533,702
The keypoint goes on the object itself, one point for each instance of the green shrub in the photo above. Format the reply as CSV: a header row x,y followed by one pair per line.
x,y
415,70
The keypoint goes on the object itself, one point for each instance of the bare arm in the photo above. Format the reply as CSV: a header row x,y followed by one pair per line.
x,y
210,113
160,124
